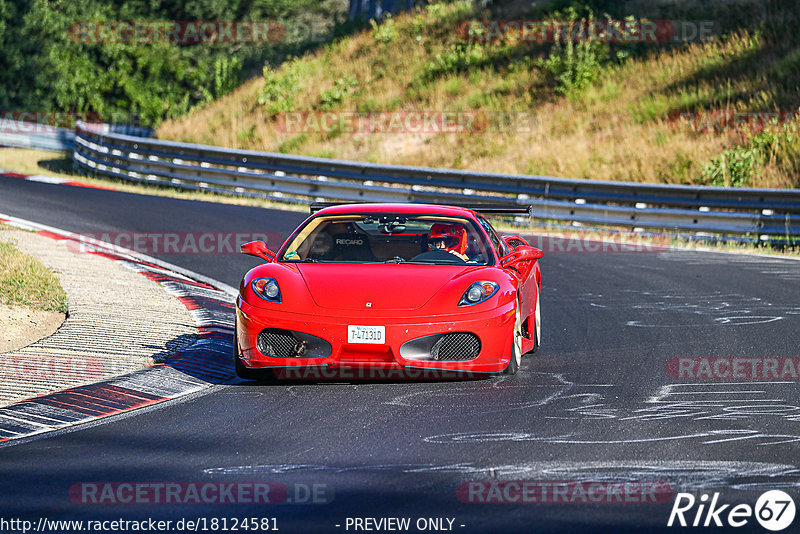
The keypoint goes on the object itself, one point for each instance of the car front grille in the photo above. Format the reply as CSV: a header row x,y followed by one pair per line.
x,y
279,343
456,347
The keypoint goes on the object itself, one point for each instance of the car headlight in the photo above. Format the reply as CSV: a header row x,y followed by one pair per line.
x,y
478,292
267,289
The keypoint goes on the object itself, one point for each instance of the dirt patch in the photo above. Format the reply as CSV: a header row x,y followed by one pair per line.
x,y
20,326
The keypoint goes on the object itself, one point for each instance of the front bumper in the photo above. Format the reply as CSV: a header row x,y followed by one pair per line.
x,y
494,327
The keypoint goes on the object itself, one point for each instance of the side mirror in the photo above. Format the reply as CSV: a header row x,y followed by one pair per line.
x,y
520,254
258,249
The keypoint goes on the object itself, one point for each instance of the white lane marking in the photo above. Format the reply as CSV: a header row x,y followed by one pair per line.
x,y
46,179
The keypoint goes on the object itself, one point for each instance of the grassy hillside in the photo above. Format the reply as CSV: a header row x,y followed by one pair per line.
x,y
595,110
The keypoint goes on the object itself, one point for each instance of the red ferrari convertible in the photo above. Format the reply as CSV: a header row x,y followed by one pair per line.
x,y
390,286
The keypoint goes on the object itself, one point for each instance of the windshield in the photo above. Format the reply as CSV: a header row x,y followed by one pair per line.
x,y
389,238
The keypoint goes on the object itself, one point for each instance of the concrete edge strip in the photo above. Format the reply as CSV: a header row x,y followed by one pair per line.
x,y
206,362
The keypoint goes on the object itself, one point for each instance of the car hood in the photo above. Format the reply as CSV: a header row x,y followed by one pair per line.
x,y
350,286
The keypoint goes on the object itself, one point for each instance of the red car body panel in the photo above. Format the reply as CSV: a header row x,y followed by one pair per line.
x,y
409,300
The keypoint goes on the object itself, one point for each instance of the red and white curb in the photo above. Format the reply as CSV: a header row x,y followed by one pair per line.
x,y
209,361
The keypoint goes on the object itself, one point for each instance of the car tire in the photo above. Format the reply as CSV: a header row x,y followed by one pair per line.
x,y
262,375
516,344
537,328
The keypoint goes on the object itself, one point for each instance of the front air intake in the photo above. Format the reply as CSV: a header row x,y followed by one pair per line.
x,y
456,347
278,343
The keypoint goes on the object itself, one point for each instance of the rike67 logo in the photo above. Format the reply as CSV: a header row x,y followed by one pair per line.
x,y
774,510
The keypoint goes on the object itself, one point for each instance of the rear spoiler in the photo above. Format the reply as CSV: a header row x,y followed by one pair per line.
x,y
489,209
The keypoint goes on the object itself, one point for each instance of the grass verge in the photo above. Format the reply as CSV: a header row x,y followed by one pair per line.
x,y
24,281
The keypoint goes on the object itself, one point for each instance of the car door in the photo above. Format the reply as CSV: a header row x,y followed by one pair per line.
x,y
523,271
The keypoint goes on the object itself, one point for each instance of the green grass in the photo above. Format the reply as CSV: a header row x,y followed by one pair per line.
x,y
24,281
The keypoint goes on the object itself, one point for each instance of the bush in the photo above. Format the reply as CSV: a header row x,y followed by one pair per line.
x,y
278,92
384,32
733,168
342,87
736,167
573,66
779,145
226,75
417,27
460,57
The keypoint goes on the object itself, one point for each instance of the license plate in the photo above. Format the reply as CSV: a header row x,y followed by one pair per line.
x,y
366,334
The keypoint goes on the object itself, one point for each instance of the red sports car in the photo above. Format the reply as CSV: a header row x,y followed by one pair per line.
x,y
392,287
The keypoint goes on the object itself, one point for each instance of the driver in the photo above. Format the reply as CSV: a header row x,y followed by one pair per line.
x,y
450,238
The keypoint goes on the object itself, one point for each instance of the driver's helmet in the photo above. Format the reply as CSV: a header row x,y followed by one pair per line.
x,y
448,237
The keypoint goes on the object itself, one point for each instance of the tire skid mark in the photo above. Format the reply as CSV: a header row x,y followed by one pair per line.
x,y
557,386
689,475
745,408
700,309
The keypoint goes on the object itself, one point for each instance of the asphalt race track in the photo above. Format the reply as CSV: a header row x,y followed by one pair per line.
x,y
596,403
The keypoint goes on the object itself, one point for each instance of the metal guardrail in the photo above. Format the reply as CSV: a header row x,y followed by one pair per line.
x,y
45,137
38,136
288,177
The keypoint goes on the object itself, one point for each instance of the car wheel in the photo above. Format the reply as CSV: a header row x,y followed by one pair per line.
x,y
262,375
537,329
516,346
